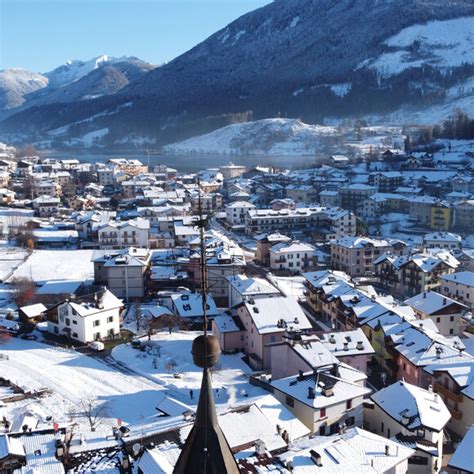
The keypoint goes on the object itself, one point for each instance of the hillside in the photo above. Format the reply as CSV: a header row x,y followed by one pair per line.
x,y
15,84
308,59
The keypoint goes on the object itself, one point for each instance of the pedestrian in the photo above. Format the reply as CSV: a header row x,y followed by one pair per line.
x,y
191,394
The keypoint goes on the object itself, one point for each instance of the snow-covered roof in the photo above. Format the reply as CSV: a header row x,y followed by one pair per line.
x,y
359,242
267,311
10,446
41,455
462,372
254,286
96,303
33,310
189,305
58,287
356,450
442,237
431,302
226,324
290,247
347,343
327,389
412,406
462,458
463,278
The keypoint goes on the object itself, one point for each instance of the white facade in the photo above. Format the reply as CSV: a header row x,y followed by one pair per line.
x,y
293,257
87,321
235,212
133,233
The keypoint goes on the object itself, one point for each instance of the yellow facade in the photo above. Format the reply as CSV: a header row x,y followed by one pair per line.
x,y
440,218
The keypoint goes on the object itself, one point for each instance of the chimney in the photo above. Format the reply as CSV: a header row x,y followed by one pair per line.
x,y
430,388
405,419
311,394
316,458
260,447
387,450
300,376
435,397
332,339
346,346
444,300
279,429
289,466
328,392
360,346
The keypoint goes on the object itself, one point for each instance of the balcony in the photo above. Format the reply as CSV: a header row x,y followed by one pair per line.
x,y
446,393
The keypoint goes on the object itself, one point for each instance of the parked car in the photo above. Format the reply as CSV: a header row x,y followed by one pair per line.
x,y
97,346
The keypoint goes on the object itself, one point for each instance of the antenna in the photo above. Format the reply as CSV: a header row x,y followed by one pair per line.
x,y
202,262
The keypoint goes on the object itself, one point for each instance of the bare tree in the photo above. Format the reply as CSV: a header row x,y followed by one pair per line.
x,y
137,312
94,410
24,291
168,321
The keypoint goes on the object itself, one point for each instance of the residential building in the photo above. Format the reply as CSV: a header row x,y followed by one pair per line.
x,y
324,221
87,318
464,215
445,312
413,416
355,255
354,194
236,211
459,286
442,240
120,234
292,257
46,206
189,306
264,243
386,181
242,287
266,319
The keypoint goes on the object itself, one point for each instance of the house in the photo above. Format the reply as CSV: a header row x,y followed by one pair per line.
x,y
445,312
386,181
413,416
12,454
454,383
242,287
118,234
87,318
189,306
266,319
353,450
459,286
356,255
292,257
339,161
122,271
46,206
442,240
464,215
354,194
410,275
32,314
264,242
229,331
325,399
461,461
235,213
329,197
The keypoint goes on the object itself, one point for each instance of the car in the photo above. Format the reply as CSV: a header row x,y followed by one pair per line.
x,y
97,346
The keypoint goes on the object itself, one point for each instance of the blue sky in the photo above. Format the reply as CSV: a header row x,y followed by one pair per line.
x,y
40,35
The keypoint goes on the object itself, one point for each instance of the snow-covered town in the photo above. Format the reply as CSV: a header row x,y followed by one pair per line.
x,y
340,297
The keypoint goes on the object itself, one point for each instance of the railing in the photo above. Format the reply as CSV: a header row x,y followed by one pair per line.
x,y
438,387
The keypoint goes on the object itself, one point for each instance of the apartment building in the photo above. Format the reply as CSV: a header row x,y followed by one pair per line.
x,y
355,255
459,286
325,221
292,257
120,234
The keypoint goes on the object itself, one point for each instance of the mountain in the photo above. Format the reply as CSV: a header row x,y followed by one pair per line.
x,y
308,59
16,83
73,81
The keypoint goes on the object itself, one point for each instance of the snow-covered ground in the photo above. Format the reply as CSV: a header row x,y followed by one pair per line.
x,y
10,259
171,353
71,377
448,43
263,137
45,265
291,286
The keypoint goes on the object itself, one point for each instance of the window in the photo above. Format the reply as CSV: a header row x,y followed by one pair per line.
x,y
97,336
74,322
74,334
351,421
451,318
96,323
382,427
438,320
451,331
322,412
56,330
67,321
388,433
420,460
348,404
290,401
110,319
273,338
420,433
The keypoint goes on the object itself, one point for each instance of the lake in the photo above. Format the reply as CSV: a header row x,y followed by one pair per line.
x,y
190,163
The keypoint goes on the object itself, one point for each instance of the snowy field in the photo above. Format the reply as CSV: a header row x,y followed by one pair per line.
x,y
10,259
291,286
170,354
72,377
45,265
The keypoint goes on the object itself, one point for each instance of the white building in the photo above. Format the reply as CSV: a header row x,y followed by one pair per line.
x,y
293,257
132,233
414,417
242,287
442,240
87,318
459,286
46,206
236,211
